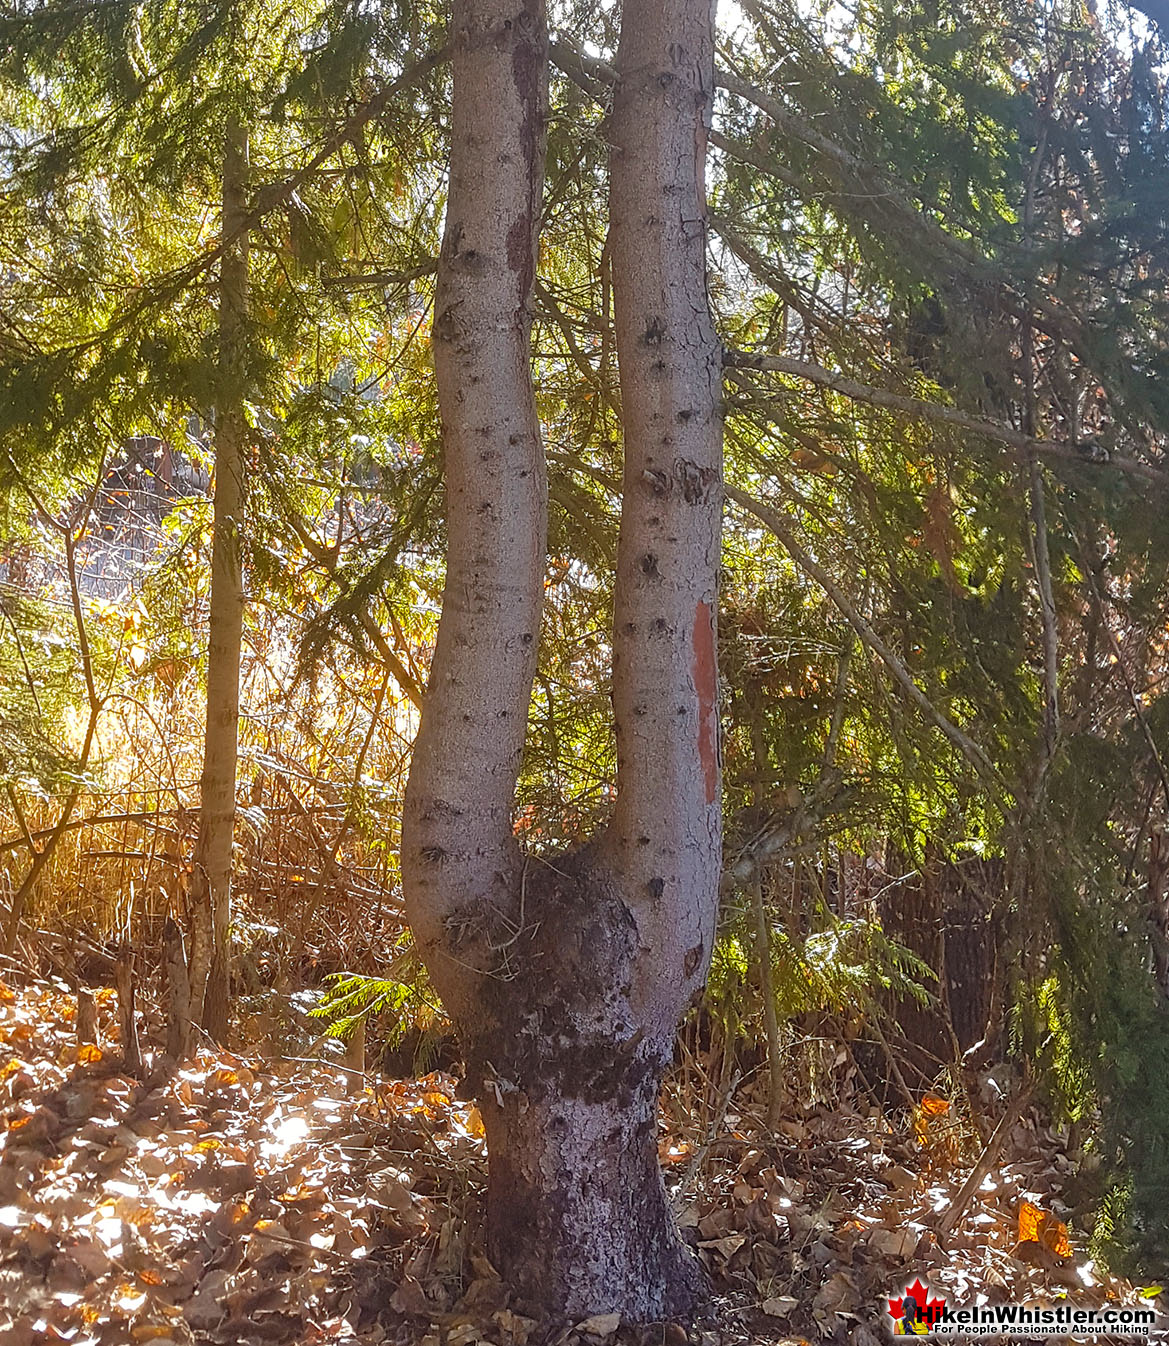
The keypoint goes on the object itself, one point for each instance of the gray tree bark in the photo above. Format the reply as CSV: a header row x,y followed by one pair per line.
x,y
211,870
567,974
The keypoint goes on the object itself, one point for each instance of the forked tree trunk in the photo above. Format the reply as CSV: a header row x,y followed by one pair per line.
x,y
567,975
211,870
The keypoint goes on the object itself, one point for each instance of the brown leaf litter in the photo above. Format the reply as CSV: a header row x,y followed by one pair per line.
x,y
248,1201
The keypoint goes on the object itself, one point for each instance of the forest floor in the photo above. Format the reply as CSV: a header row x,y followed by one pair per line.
x,y
245,1201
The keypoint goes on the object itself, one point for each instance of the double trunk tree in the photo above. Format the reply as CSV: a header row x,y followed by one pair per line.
x,y
567,974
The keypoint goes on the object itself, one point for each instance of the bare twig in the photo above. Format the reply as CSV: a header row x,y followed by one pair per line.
x,y
919,407
989,1157
776,522
96,705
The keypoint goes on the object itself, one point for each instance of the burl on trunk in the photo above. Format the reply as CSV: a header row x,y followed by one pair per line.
x,y
567,974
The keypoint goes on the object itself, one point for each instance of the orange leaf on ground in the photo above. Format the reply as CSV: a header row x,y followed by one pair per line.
x,y
1040,1226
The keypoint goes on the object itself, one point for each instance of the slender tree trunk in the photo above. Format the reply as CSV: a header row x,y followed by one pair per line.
x,y
1159,905
176,981
567,975
211,873
767,996
127,1010
753,693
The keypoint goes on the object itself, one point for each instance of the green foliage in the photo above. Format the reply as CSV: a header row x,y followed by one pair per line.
x,y
405,998
844,967
1090,1017
36,691
1121,1019
847,967
1046,1031
351,998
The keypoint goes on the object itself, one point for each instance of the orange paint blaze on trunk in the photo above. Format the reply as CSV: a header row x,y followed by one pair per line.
x,y
706,685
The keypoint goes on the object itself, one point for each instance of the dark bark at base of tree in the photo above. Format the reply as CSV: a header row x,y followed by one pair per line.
x,y
578,1221
127,1012
217,1000
86,1015
177,991
567,1034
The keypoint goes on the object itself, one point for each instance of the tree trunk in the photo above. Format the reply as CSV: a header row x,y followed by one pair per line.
x,y
211,871
1159,905
127,1010
665,843
567,975
577,1212
459,856
767,996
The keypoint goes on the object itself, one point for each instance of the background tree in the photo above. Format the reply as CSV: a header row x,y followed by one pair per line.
x,y
210,956
117,334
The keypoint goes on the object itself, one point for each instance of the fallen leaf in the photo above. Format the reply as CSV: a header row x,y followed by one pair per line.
x,y
410,1298
600,1325
1040,1226
726,1246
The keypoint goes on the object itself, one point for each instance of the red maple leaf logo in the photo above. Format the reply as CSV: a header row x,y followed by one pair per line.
x,y
916,1306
